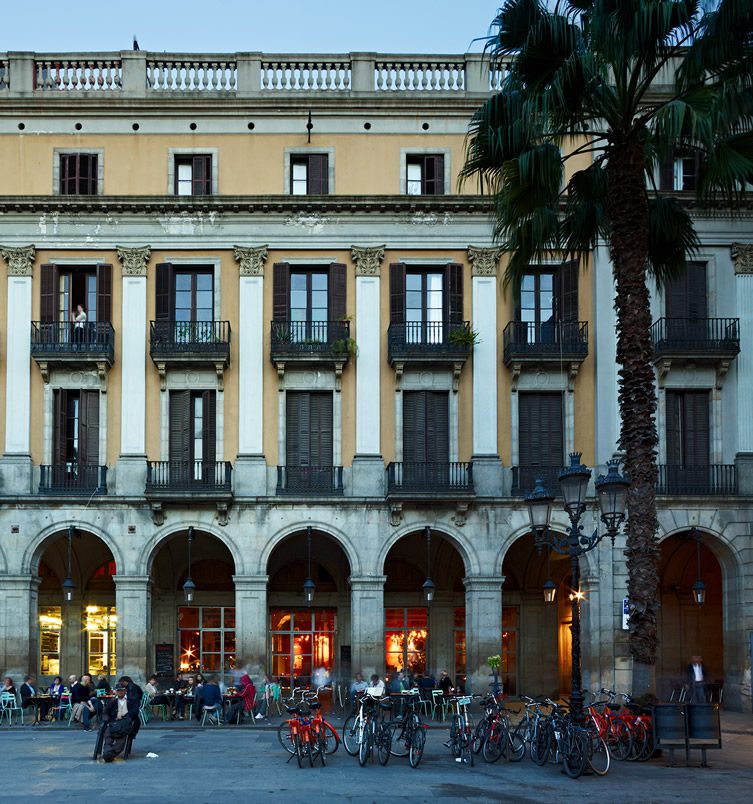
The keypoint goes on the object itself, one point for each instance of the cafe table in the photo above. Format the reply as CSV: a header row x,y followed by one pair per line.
x,y
37,701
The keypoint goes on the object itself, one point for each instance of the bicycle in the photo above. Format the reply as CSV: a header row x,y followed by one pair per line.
x,y
500,741
376,732
285,731
301,734
612,728
560,739
461,730
409,732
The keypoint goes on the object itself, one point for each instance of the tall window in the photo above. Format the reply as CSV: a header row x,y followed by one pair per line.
x,y
76,429
686,295
193,174
426,431
184,309
309,174
424,307
100,623
78,174
206,639
688,429
508,670
193,435
547,302
309,305
50,626
460,652
424,174
194,295
541,439
309,302
303,643
405,634
63,288
308,439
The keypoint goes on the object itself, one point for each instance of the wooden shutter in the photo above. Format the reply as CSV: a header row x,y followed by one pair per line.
x,y
567,292
337,289
317,176
397,293
540,432
667,173
164,296
67,174
686,295
209,441
48,294
180,426
433,175
673,425
297,428
88,174
453,293
281,292
696,428
437,427
201,175
60,425
320,429
414,426
104,293
88,428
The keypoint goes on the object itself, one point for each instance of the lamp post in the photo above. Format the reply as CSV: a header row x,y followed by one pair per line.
x,y
699,587
309,587
549,588
189,587
428,586
68,586
611,492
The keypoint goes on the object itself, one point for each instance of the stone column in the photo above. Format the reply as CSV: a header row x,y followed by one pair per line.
x,y
487,468
368,464
19,628
367,624
251,624
483,627
133,643
742,258
130,474
250,473
15,465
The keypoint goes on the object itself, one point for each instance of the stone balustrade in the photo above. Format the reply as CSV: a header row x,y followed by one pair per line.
x,y
140,74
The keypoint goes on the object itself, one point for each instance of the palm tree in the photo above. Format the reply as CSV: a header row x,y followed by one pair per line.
x,y
582,78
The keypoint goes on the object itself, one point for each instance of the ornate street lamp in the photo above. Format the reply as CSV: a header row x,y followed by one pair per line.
x,y
189,587
68,586
550,589
574,543
699,587
309,587
428,586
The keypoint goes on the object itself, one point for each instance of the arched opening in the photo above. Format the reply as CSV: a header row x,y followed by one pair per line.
x,y
197,635
422,638
308,643
79,635
536,637
685,628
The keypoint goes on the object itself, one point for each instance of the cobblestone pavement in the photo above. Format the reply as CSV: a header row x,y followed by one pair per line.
x,y
246,764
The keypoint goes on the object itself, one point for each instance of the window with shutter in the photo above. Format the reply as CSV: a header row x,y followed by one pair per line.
x,y
193,174
687,428
426,431
49,293
78,174
308,429
309,174
424,174
59,443
103,311
89,428
540,430
686,295
76,427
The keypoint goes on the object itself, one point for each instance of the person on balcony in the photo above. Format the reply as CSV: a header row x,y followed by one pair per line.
x,y
79,325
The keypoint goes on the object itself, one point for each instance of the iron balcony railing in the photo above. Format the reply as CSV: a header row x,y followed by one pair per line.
x,y
66,339
191,477
310,480
524,479
430,479
73,479
207,339
311,339
711,480
430,340
696,336
550,340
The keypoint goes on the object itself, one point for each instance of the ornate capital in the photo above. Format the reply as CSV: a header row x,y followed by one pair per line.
x,y
134,260
251,259
484,260
20,260
742,257
368,259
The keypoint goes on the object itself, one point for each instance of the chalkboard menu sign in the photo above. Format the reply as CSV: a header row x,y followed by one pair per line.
x,y
164,662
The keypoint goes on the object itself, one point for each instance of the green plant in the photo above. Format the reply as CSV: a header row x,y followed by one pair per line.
x,y
464,337
345,347
494,663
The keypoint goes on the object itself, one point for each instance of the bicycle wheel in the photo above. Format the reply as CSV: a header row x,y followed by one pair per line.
x,y
598,754
352,735
516,747
492,747
466,747
332,738
480,734
619,739
519,737
574,752
298,749
456,727
417,743
322,745
285,737
364,749
648,746
309,750
384,743
400,743
640,738
541,744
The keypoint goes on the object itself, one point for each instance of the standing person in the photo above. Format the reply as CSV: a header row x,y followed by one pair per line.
x,y
200,680
79,324
697,680
445,683
122,710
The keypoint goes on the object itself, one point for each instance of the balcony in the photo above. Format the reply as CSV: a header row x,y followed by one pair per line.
x,y
310,341
63,344
524,479
192,480
72,480
547,342
190,342
440,481
429,342
692,481
694,339
310,480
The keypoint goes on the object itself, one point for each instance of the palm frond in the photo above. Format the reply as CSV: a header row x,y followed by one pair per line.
x,y
584,219
512,25
672,238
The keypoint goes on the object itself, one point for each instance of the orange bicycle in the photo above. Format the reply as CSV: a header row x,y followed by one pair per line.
x,y
321,735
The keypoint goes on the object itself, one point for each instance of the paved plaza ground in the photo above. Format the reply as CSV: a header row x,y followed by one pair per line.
x,y
246,764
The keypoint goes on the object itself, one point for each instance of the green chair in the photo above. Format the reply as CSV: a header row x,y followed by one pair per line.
x,y
9,707
161,710
144,713
212,715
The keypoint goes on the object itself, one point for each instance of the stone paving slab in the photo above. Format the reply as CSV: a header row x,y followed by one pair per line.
x,y
246,764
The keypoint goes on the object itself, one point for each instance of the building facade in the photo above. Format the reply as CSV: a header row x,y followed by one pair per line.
x,y
248,309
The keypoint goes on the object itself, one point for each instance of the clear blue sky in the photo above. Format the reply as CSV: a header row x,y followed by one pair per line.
x,y
272,26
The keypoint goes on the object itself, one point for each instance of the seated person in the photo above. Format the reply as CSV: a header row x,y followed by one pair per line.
x,y
156,698
376,688
103,684
208,696
84,701
237,709
8,686
57,688
30,690
180,682
445,683
122,710
189,691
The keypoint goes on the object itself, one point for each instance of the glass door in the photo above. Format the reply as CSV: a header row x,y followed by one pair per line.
x,y
303,645
405,635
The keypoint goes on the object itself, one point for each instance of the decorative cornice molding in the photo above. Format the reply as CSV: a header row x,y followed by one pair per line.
x,y
134,260
251,259
368,259
20,260
484,261
742,257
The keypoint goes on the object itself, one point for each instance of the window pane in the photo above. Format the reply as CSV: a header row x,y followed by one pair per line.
x,y
460,618
210,663
50,624
189,650
188,617
280,620
413,282
211,641
414,179
281,643
324,620
319,282
394,618
204,282
183,282
510,616
546,282
528,282
300,171
302,621
417,618
229,618
211,618
298,282
229,641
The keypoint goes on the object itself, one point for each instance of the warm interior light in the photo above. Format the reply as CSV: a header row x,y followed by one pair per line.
x,y
92,609
578,595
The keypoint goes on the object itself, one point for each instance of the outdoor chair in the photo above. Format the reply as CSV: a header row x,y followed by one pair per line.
x,y
212,715
9,707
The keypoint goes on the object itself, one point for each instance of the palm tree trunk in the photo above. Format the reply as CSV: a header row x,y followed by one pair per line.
x,y
627,207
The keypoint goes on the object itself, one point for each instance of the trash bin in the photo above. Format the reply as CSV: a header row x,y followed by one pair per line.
x,y
703,723
669,723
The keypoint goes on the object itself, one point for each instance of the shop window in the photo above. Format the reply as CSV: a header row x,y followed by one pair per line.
x,y
303,645
50,626
405,635
508,671
206,638
100,623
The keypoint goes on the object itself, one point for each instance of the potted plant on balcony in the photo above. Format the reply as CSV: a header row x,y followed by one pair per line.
x,y
344,347
463,336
